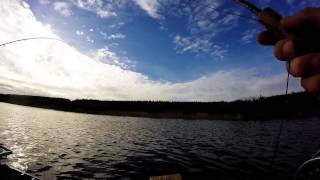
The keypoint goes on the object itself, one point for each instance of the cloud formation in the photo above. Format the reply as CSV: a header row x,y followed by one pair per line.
x,y
101,8
62,8
248,36
44,1
107,56
205,21
150,6
198,45
117,36
51,68
79,33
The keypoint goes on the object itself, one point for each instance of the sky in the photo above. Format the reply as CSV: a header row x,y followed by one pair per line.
x,y
169,50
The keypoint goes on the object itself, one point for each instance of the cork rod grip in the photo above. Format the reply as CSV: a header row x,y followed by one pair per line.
x,y
304,43
272,22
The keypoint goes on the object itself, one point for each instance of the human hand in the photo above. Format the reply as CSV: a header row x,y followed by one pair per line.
x,y
303,52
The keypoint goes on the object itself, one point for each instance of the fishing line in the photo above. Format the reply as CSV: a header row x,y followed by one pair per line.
x,y
32,38
288,77
266,19
278,139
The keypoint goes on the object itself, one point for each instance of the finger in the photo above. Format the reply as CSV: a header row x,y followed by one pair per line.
x,y
304,17
285,50
288,50
305,66
267,38
311,84
304,28
278,49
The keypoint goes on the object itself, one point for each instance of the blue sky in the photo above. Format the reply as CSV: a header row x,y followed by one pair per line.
x,y
148,40
167,42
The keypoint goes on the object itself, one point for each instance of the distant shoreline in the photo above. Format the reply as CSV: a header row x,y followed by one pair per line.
x,y
296,105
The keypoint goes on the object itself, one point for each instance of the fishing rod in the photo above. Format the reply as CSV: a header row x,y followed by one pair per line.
x,y
216,9
249,18
32,38
270,19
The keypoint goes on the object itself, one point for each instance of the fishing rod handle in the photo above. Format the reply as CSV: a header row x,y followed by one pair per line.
x,y
272,22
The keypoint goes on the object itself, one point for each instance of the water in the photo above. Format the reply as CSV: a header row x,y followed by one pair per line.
x,y
60,145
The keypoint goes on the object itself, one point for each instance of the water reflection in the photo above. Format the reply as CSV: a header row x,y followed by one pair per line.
x,y
60,145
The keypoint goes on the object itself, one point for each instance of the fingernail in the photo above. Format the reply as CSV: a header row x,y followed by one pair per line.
x,y
288,49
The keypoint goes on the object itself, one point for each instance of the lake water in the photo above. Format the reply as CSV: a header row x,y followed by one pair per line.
x,y
60,145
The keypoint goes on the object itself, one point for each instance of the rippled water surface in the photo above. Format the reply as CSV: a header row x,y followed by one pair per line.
x,y
60,145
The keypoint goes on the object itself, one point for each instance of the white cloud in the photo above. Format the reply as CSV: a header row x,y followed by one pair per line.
x,y
104,35
105,13
117,36
116,25
206,21
51,68
105,55
228,85
218,51
25,5
44,1
198,45
185,44
229,20
150,6
89,4
97,6
103,9
248,36
89,39
63,8
79,33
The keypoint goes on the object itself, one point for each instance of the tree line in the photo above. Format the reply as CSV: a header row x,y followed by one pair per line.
x,y
295,105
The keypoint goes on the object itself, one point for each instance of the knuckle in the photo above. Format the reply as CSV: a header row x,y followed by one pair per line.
x,y
277,49
316,60
306,85
303,83
311,85
297,67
